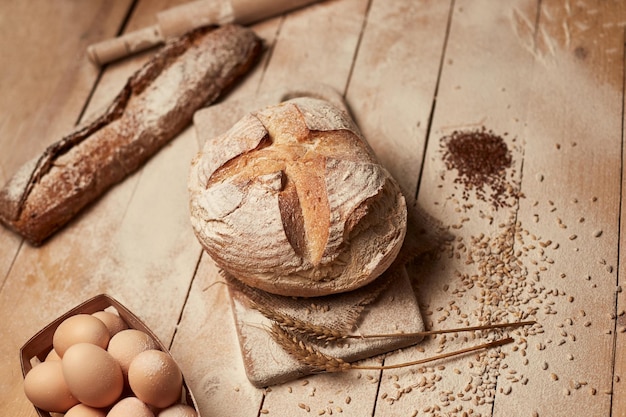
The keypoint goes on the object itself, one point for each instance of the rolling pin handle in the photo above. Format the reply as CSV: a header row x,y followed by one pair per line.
x,y
112,49
249,11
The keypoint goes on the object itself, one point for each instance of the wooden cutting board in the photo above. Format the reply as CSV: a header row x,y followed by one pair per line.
x,y
395,310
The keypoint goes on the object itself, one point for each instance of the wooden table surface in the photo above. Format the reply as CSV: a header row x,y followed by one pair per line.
x,y
545,76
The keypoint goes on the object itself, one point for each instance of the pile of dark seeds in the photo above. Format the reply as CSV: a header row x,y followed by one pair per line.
x,y
481,159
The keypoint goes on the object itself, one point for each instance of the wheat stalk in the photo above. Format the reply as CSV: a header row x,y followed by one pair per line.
x,y
320,362
488,345
327,334
443,331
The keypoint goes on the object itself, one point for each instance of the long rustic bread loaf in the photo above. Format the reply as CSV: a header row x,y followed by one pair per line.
x,y
292,201
156,103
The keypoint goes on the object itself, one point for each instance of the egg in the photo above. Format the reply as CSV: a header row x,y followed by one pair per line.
x,y
78,329
93,376
155,378
112,321
130,406
178,410
82,410
127,344
46,388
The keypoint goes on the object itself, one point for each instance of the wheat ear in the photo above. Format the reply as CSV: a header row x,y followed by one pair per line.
x,y
320,333
306,354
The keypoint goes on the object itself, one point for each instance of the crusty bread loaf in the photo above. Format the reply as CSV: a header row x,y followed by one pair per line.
x,y
292,201
156,103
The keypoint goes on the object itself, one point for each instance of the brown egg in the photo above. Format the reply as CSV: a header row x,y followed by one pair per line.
x,y
127,344
130,407
82,410
178,410
78,329
92,375
45,387
114,323
155,378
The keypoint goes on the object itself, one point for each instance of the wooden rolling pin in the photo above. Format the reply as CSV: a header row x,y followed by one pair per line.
x,y
181,19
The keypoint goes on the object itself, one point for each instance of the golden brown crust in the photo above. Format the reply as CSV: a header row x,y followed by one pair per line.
x,y
152,108
299,207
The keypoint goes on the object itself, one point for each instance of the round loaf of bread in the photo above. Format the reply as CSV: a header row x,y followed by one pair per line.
x,y
291,200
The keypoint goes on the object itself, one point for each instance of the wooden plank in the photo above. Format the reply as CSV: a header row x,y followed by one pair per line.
x,y
394,80
453,293
572,186
132,241
45,79
499,96
316,43
207,349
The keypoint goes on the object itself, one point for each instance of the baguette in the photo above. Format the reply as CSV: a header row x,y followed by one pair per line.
x,y
292,201
156,104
